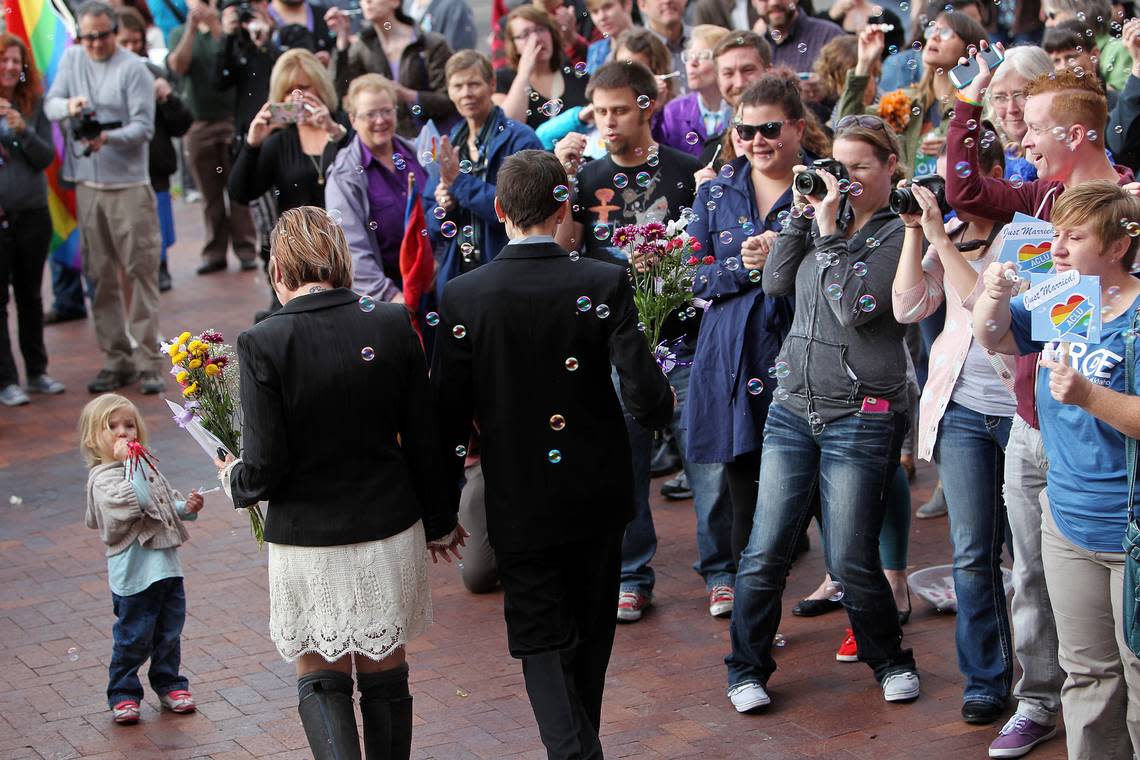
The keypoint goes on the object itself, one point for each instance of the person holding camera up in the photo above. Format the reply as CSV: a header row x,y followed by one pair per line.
x,y
107,95
966,413
194,47
840,425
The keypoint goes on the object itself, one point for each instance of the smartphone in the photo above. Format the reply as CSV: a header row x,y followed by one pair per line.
x,y
962,74
286,113
875,405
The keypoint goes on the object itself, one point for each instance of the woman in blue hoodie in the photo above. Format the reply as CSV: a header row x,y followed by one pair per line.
x,y
736,220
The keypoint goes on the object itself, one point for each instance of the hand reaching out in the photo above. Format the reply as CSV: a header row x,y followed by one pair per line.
x,y
448,546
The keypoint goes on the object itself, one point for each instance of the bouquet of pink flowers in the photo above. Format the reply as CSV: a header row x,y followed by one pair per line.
x,y
662,260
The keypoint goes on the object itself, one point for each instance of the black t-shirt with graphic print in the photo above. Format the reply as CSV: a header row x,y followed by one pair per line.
x,y
612,196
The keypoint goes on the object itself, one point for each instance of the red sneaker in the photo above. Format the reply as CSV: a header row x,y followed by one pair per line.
x,y
126,713
720,601
848,651
178,701
631,605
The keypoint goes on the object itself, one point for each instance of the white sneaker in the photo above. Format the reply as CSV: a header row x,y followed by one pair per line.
x,y
901,687
747,697
720,601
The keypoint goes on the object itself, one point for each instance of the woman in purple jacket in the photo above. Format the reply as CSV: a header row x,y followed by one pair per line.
x,y
368,185
690,120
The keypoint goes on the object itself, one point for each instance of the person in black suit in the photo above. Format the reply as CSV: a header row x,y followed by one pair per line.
x,y
526,346
339,436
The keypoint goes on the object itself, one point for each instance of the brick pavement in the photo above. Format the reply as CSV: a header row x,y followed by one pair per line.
x,y
665,694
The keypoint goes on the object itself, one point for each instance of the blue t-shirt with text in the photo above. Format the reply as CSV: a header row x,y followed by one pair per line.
x,y
1087,482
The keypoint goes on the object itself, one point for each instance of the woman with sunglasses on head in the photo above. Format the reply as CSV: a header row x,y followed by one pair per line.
x,y
838,416
692,118
742,328
965,417
920,134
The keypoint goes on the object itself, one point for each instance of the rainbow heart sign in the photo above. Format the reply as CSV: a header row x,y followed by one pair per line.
x,y
1064,307
1028,243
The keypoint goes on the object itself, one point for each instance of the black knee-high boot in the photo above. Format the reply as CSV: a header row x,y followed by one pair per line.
x,y
325,705
386,710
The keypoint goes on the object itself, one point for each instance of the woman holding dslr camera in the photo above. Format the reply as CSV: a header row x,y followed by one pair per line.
x,y
842,425
966,412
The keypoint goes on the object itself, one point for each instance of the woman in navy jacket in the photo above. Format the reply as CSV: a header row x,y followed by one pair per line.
x,y
737,217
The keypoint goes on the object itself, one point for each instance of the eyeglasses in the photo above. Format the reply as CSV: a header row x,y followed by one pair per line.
x,y
530,33
94,36
867,122
379,113
1002,98
689,56
941,32
769,130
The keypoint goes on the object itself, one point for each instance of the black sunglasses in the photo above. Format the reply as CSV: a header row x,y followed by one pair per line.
x,y
867,122
769,130
95,36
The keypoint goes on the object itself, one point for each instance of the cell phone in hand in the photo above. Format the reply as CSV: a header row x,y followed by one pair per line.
x,y
286,113
964,73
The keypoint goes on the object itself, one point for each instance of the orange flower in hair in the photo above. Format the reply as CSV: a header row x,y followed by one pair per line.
x,y
894,109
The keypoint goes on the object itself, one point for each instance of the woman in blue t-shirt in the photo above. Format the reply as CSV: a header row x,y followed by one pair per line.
x,y
1085,412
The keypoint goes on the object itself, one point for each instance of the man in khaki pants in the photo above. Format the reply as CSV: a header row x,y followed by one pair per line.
x,y
100,82
195,49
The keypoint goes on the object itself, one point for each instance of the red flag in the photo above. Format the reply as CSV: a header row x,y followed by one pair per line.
x,y
417,265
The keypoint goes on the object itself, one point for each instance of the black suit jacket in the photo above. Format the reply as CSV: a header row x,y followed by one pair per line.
x,y
522,332
344,449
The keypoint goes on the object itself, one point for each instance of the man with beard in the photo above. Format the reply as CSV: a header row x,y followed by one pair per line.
x,y
741,58
796,37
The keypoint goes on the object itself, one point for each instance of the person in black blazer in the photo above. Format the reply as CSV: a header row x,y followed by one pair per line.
x,y
339,436
526,346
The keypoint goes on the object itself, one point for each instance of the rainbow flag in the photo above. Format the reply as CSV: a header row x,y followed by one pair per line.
x,y
46,26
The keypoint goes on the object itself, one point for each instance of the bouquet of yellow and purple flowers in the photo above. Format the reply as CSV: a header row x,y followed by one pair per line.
x,y
205,366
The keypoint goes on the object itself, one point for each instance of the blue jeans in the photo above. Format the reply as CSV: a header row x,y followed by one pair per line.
x,y
713,509
854,460
149,624
971,460
67,288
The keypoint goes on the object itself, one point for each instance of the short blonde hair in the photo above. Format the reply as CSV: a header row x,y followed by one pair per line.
x,y
1109,208
285,71
708,35
309,246
368,83
93,421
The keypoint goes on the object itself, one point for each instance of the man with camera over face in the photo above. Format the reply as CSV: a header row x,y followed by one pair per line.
x,y
106,95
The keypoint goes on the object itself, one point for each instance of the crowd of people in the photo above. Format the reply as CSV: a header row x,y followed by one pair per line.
x,y
846,176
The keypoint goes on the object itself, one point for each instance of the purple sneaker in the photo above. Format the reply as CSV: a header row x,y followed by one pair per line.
x,y
1019,736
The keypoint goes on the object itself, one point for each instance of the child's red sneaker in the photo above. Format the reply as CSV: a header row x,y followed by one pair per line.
x,y
178,701
848,651
126,713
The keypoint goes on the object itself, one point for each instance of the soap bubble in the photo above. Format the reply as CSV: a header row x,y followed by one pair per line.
x,y
643,179
366,304
859,268
716,191
459,331
335,216
643,101
554,456
416,109
834,291
432,318
620,180
962,169
692,138
465,166
557,422
571,364
561,193
802,47
460,451
73,654
584,303
867,303
834,591
372,225
438,212
779,640
726,237
727,171
602,311
367,354
601,231
448,229
731,264
855,190
551,107
1015,181
580,69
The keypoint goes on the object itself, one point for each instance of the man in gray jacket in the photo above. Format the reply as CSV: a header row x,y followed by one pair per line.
x,y
99,82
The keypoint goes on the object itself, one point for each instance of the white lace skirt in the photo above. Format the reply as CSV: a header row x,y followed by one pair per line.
x,y
366,598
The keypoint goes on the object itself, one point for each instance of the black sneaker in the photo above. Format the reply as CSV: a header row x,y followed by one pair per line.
x,y
164,281
110,380
151,383
210,267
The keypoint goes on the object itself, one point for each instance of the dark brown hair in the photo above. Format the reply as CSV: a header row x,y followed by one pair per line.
x,y
781,87
525,187
644,42
745,40
618,75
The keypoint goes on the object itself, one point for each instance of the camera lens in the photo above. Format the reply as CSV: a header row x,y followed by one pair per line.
x,y
902,201
809,183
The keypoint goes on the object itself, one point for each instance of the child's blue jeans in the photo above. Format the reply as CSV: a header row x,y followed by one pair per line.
x,y
149,624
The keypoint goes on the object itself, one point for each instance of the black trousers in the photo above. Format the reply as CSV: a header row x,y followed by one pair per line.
x,y
24,240
559,608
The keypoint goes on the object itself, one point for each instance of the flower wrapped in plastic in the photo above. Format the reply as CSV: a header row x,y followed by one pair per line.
x,y
206,368
662,260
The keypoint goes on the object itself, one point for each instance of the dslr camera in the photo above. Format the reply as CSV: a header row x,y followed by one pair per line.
x,y
902,200
87,127
810,183
244,9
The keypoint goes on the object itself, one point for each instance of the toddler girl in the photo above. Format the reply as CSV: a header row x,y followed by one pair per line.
x,y
139,517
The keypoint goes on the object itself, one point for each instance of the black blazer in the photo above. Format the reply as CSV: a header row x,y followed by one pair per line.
x,y
344,450
529,360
